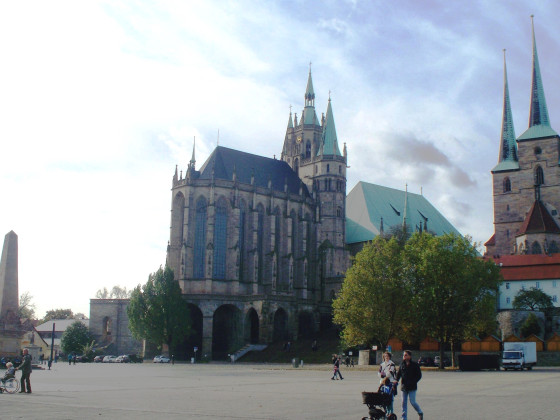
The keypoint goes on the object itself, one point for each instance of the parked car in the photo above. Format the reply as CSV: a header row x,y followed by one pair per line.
x,y
98,359
109,359
426,361
82,359
134,358
123,358
446,361
161,359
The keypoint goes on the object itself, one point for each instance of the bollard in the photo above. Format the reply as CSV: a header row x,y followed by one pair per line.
x,y
301,363
294,363
192,360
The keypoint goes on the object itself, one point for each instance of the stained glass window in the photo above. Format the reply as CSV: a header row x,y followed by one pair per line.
x,y
200,238
220,239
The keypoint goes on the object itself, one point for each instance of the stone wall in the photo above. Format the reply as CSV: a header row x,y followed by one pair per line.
x,y
108,324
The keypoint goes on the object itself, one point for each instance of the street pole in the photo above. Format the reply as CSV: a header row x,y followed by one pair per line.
x,y
52,346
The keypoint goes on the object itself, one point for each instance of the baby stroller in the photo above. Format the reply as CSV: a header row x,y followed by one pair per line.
x,y
377,403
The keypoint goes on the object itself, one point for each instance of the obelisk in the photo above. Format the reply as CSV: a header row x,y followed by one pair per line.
x,y
9,276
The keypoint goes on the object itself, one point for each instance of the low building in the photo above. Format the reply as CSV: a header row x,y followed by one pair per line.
x,y
45,330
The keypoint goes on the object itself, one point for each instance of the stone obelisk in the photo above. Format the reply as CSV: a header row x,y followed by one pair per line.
x,y
9,276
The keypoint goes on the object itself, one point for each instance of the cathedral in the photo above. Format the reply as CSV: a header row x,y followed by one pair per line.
x,y
258,244
526,194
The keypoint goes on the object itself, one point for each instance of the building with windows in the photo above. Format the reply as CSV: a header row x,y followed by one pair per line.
x,y
526,194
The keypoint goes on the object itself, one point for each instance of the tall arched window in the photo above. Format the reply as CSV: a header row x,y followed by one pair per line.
x,y
296,166
539,175
277,243
220,239
293,220
177,216
260,242
307,149
536,248
507,185
200,238
241,243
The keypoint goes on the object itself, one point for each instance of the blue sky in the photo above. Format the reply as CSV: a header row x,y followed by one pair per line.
x,y
100,100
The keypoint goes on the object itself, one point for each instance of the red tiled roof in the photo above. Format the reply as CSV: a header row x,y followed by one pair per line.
x,y
491,241
538,220
529,267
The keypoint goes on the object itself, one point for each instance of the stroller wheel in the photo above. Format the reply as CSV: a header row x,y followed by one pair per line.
x,y
392,416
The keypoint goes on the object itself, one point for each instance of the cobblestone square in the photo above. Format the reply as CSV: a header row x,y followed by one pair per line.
x,y
243,391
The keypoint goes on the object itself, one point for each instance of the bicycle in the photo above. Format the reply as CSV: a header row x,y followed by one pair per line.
x,y
10,385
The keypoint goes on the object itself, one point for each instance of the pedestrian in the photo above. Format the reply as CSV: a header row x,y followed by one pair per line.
x,y
172,359
386,387
41,358
74,359
388,369
347,361
351,362
314,345
336,369
25,368
70,359
409,374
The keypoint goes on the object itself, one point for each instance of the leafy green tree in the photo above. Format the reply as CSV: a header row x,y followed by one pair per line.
x,y
374,293
75,337
157,311
58,314
533,299
452,287
26,307
88,350
530,326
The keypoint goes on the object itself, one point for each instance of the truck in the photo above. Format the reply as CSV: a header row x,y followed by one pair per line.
x,y
519,356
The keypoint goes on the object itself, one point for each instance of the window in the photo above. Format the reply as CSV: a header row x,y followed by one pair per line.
x,y
553,283
220,239
507,285
508,300
199,238
507,185
538,284
508,207
536,248
260,241
539,175
328,168
339,169
307,149
554,298
523,286
242,214
294,232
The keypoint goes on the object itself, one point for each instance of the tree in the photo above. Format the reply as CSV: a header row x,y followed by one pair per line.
x,y
116,292
75,338
530,326
26,308
157,311
533,299
453,289
374,292
58,314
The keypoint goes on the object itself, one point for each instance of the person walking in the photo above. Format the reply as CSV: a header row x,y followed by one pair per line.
x,y
25,368
409,374
336,368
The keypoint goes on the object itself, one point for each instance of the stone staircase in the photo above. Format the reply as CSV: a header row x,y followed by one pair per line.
x,y
246,349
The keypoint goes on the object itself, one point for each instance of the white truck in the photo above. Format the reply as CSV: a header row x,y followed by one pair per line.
x,y
519,355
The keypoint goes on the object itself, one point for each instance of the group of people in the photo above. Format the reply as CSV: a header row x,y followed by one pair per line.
x,y
408,373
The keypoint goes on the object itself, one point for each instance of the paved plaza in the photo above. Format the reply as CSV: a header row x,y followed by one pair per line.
x,y
242,391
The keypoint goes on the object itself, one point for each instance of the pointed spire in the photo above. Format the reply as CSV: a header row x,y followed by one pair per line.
x,y
175,176
329,141
193,160
290,123
538,114
508,145
309,93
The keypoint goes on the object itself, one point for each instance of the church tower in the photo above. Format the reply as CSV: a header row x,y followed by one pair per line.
x,y
311,149
526,180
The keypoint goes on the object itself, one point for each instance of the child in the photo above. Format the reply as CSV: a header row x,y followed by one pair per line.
x,y
386,387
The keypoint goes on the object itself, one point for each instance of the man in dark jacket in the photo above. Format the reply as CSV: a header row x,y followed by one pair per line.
x,y
25,368
410,374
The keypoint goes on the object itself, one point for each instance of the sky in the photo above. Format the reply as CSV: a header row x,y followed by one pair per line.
x,y
99,100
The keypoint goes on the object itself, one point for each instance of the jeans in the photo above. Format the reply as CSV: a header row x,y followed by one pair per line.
x,y
412,396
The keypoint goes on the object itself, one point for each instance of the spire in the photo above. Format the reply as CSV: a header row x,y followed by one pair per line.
x,y
193,160
309,93
329,142
406,212
538,114
508,145
290,123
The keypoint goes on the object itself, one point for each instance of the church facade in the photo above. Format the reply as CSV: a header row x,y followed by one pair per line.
x,y
526,195
258,244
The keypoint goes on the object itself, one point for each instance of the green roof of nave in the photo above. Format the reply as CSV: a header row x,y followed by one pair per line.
x,y
367,203
329,140
224,161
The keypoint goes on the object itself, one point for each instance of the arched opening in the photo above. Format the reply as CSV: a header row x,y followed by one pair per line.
x,y
296,166
553,248
241,240
225,332
260,244
306,325
536,248
307,149
184,349
220,239
107,325
252,327
280,332
507,185
539,175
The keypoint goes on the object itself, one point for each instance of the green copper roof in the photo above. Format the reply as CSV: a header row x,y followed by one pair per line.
x,y
309,93
537,132
290,123
367,203
508,146
309,116
538,115
329,143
